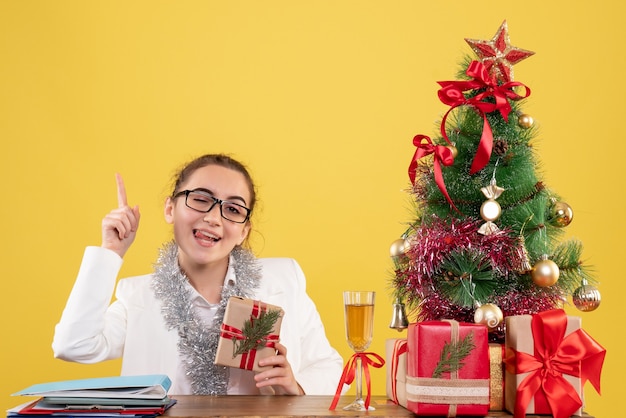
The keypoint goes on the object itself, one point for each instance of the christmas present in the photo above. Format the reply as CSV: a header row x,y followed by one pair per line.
x,y
395,354
548,360
496,377
249,332
447,369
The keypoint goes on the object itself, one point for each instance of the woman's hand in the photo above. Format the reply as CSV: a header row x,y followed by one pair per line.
x,y
280,376
119,226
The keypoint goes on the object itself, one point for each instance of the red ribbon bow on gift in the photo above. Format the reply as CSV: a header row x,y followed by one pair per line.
x,y
442,155
247,358
451,93
577,354
349,372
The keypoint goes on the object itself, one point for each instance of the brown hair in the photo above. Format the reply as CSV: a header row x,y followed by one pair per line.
x,y
214,159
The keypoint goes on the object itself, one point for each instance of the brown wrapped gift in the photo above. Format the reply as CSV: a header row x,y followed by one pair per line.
x,y
548,359
395,353
519,336
249,333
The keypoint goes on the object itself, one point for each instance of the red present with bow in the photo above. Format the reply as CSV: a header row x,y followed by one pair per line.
x,y
447,369
548,360
249,332
395,356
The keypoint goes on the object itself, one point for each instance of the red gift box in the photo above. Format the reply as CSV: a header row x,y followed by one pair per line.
x,y
548,360
395,356
457,391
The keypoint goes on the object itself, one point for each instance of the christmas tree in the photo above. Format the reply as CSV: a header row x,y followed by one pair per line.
x,y
487,239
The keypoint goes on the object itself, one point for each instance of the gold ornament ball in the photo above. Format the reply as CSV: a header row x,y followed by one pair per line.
x,y
453,150
561,214
545,273
488,314
398,247
490,210
586,298
525,121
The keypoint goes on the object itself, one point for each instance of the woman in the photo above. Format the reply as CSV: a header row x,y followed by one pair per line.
x,y
150,323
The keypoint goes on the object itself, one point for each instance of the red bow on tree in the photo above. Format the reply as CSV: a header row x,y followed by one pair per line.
x,y
442,155
452,94
577,354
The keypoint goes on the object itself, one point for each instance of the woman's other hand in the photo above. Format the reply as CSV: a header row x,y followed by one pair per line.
x,y
280,376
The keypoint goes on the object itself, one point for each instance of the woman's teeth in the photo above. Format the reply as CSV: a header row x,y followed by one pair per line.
x,y
206,235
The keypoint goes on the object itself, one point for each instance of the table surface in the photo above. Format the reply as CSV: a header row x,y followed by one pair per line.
x,y
286,406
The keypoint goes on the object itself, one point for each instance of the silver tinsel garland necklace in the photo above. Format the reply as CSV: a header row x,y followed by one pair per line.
x,y
197,343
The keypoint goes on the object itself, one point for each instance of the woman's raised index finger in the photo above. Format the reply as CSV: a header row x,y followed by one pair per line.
x,y
121,191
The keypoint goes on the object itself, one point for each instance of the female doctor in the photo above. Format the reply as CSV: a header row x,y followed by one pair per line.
x,y
168,322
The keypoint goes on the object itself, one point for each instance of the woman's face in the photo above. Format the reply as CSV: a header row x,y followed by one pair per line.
x,y
206,239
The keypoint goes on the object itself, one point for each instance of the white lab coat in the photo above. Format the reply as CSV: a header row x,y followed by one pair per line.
x,y
92,329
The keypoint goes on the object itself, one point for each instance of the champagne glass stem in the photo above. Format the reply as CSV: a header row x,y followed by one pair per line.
x,y
359,380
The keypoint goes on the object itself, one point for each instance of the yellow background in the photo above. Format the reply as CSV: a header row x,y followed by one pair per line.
x,y
321,99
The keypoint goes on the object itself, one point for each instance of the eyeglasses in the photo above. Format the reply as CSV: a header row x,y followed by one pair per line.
x,y
203,202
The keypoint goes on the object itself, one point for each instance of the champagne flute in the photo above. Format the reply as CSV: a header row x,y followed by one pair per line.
x,y
359,317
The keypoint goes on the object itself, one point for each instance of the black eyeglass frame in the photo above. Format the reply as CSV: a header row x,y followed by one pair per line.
x,y
216,201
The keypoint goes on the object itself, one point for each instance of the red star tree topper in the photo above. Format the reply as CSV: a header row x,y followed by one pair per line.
x,y
498,55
